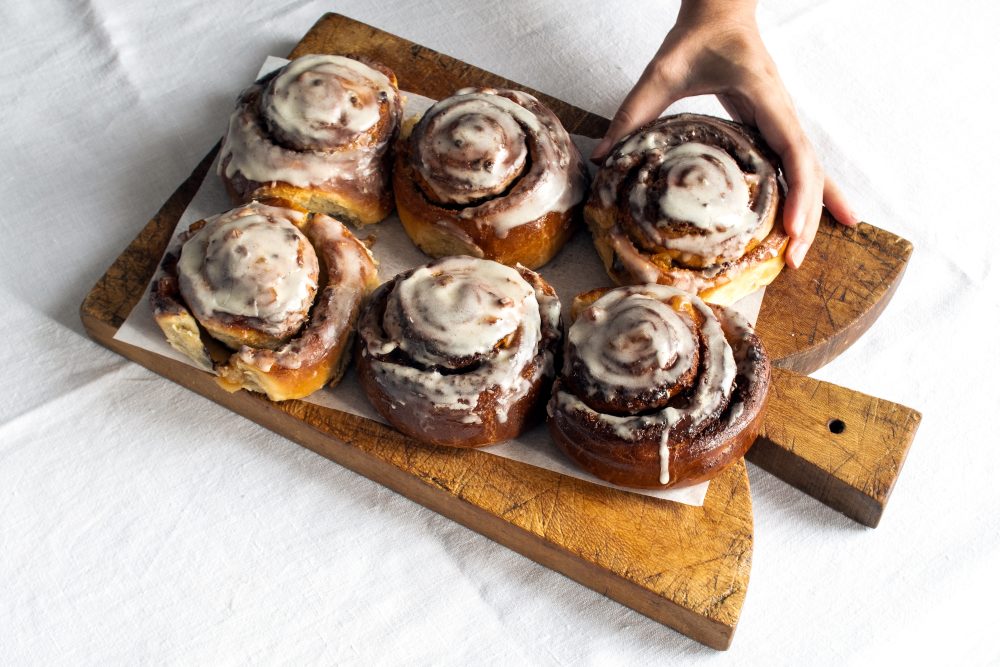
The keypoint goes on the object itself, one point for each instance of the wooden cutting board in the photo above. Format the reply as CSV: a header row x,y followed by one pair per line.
x,y
686,567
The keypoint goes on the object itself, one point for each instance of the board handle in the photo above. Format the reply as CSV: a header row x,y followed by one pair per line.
x,y
842,447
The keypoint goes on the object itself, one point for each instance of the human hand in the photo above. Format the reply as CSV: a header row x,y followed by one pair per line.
x,y
715,47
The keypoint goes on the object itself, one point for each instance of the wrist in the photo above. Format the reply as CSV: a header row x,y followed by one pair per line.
x,y
700,12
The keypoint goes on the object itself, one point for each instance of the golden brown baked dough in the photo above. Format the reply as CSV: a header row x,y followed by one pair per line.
x,y
279,285
316,132
460,351
658,389
489,173
689,201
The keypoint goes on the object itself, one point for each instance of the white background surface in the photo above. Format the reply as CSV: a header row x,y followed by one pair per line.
x,y
142,523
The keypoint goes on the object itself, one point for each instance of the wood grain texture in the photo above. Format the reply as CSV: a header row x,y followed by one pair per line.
x,y
685,567
845,283
842,447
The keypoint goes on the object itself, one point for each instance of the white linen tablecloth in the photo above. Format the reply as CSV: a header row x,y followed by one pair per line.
x,y
142,523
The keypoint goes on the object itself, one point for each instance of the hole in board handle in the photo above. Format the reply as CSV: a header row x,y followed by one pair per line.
x,y
836,426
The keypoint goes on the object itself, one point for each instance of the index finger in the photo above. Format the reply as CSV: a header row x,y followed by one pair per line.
x,y
651,94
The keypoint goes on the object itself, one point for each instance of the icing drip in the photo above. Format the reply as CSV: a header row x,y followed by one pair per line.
x,y
483,143
250,262
664,450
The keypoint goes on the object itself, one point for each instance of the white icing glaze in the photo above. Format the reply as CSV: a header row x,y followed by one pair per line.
x,y
460,309
737,328
724,199
321,129
328,100
481,303
639,264
632,340
351,268
250,262
497,129
706,188
736,411
714,385
474,146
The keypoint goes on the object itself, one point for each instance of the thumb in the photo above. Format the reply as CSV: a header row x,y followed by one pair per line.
x,y
648,98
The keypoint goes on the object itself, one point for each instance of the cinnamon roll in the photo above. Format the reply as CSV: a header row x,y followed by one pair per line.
x,y
460,351
278,287
489,173
689,201
658,389
316,132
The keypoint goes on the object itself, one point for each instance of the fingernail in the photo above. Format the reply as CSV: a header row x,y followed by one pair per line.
x,y
795,254
600,150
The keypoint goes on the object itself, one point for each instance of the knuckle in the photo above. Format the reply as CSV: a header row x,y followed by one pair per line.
x,y
819,176
662,71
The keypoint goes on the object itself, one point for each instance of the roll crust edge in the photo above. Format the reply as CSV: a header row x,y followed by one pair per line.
x,y
315,356
494,417
594,444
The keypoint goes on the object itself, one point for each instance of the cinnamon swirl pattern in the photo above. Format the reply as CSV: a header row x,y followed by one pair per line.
x,y
279,287
460,351
489,173
689,201
316,132
659,389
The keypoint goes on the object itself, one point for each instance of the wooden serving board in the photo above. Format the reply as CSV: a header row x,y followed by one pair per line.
x,y
686,567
